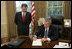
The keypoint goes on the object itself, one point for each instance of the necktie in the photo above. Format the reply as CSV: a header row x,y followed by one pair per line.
x,y
46,34
23,16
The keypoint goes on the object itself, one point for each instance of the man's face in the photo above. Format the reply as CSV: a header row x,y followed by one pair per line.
x,y
46,24
24,8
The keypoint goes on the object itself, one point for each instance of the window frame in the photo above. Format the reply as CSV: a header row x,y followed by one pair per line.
x,y
56,7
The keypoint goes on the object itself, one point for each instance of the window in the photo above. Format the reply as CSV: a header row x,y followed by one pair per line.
x,y
19,3
55,7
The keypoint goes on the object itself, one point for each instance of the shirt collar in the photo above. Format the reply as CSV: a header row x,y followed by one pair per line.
x,y
24,13
47,28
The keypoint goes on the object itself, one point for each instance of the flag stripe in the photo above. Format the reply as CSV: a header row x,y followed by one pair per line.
x,y
33,15
33,10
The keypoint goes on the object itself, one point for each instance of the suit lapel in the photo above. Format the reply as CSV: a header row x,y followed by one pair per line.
x,y
20,16
26,16
43,31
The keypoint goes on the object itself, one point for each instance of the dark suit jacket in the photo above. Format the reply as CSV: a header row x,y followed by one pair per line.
x,y
52,33
22,27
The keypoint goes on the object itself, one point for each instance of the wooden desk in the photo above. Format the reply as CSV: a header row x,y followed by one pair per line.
x,y
28,43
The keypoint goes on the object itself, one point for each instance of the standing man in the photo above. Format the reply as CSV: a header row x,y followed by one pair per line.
x,y
22,20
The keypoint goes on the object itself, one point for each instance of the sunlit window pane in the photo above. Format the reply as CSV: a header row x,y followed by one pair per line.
x,y
19,3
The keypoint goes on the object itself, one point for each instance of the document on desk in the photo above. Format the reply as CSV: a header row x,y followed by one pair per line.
x,y
58,46
37,42
62,45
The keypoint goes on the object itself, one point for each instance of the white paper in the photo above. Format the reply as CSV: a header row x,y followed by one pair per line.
x,y
58,46
63,44
37,42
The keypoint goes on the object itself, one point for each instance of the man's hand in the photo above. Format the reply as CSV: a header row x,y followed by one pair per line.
x,y
34,38
44,39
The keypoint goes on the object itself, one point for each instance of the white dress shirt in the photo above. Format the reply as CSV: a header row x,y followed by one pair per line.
x,y
24,13
47,32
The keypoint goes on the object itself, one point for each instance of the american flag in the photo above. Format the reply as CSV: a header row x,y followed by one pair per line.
x,y
33,15
33,10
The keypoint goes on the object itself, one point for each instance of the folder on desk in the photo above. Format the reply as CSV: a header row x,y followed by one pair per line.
x,y
17,42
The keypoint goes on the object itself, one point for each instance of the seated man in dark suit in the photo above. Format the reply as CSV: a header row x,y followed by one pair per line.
x,y
47,31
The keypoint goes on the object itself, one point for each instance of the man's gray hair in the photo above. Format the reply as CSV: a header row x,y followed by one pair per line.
x,y
48,20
